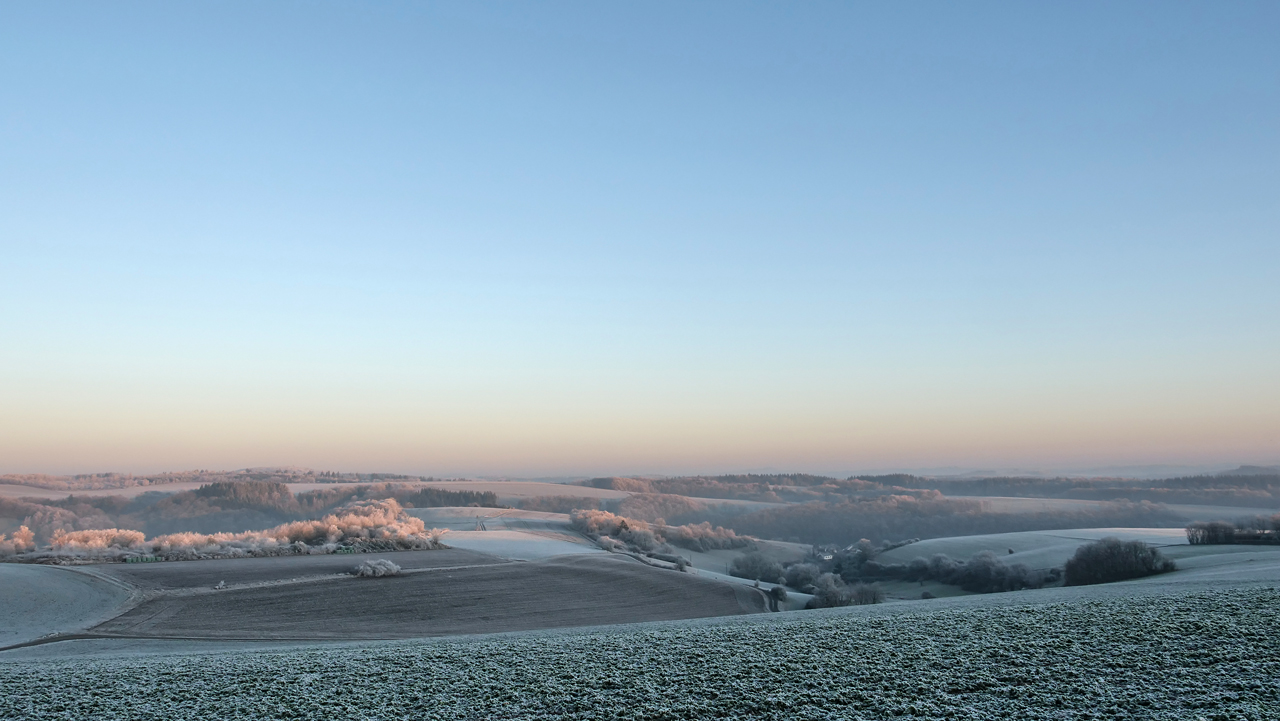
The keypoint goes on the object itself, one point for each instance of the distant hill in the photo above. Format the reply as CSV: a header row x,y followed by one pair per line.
x,y
1253,471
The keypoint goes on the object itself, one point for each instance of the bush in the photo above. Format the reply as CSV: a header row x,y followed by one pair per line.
x,y
801,575
865,594
829,592
1111,560
778,593
925,596
755,565
376,569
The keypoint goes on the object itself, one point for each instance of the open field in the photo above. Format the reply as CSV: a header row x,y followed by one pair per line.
x,y
565,591
1162,654
522,545
718,560
1219,513
466,518
234,571
39,600
507,532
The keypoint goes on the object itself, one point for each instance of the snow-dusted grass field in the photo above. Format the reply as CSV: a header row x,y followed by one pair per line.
x,y
40,600
1163,654
566,591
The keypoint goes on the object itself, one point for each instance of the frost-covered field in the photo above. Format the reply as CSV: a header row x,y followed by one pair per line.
x,y
1213,655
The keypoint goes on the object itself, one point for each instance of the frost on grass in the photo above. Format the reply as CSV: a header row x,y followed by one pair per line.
x,y
376,569
1213,655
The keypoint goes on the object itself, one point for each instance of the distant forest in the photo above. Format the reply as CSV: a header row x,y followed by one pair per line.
x,y
879,518
223,506
895,517
1251,487
107,481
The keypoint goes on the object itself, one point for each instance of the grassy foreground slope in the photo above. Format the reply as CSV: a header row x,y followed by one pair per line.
x,y
1204,654
39,600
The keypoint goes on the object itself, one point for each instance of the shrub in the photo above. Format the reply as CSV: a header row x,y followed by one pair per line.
x,y
925,596
829,591
376,569
778,593
757,566
865,594
801,575
1111,560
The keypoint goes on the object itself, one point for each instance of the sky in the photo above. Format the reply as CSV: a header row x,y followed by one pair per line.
x,y
572,238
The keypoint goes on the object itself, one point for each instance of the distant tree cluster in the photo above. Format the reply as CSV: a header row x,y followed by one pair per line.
x,y
665,508
985,572
1112,560
376,525
756,566
611,531
705,537
829,591
1259,529
618,533
218,507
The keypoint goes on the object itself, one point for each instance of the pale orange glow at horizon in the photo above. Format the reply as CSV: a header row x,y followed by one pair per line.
x,y
720,430
456,245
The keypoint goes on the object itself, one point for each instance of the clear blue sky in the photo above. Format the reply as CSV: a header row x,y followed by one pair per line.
x,y
561,238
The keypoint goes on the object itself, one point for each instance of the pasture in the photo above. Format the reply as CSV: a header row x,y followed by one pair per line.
x,y
40,600
483,598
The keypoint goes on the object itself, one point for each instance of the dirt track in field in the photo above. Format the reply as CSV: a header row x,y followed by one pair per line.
x,y
556,593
